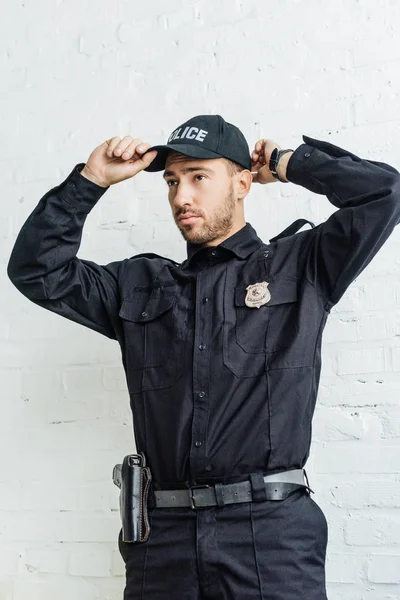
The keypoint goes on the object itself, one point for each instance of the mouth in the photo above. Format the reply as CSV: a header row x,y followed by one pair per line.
x,y
188,218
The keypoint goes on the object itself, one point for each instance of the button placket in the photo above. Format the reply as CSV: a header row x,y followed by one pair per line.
x,y
200,375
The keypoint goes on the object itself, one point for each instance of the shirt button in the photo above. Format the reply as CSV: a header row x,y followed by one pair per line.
x,y
202,394
307,155
266,253
197,444
205,300
213,253
202,347
145,314
209,468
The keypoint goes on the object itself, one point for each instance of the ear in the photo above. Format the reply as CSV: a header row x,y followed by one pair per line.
x,y
244,180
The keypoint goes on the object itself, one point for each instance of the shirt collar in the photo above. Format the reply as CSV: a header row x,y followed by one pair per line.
x,y
242,243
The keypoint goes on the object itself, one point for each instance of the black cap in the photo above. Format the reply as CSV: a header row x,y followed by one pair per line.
x,y
204,136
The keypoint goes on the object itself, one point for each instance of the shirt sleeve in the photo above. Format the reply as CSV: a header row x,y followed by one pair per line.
x,y
367,194
44,266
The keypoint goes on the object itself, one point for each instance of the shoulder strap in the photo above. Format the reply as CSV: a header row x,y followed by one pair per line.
x,y
293,228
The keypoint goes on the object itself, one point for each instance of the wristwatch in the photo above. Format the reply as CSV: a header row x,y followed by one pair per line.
x,y
274,160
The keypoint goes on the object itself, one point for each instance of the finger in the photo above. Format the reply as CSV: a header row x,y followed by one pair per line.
x,y
259,145
149,157
258,177
122,145
263,176
144,162
135,150
143,147
112,143
130,150
257,166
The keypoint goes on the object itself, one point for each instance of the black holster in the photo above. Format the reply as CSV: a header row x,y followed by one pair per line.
x,y
133,478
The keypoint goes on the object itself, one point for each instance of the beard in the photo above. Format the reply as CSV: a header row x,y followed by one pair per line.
x,y
217,226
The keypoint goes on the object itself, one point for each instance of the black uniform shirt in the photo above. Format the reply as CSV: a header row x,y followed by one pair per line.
x,y
218,389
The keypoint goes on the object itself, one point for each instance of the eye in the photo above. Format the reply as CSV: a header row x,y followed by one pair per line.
x,y
200,176
170,182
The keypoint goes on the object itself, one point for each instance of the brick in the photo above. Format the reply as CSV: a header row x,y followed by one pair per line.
x,y
372,327
48,559
90,560
356,457
373,529
336,424
11,495
61,527
6,590
341,329
66,496
39,588
118,565
110,588
344,568
365,360
113,379
396,358
9,559
384,568
360,491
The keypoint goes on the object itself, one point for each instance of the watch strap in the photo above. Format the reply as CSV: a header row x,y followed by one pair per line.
x,y
274,160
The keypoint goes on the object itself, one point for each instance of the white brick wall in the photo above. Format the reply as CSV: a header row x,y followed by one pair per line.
x,y
76,73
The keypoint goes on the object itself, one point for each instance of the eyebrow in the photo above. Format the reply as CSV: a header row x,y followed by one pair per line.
x,y
188,170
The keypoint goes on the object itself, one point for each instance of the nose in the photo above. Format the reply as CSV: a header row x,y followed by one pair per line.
x,y
183,196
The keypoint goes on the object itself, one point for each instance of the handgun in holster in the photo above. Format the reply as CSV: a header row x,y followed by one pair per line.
x,y
133,478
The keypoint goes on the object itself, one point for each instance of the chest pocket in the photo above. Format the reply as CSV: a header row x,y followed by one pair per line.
x,y
252,334
153,341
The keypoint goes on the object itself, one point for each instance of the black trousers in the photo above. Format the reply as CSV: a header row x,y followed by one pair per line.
x,y
270,550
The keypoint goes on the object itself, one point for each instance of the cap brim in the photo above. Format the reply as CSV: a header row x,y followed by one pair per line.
x,y
158,164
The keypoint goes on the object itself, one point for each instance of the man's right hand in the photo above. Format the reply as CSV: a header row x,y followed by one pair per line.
x,y
117,159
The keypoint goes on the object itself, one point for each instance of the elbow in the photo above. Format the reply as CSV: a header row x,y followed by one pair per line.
x,y
12,270
25,281
394,199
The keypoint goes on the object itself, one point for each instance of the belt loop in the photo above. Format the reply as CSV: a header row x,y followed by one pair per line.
x,y
259,492
219,494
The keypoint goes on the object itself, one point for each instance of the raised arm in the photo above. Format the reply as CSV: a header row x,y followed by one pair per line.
x,y
44,266
367,194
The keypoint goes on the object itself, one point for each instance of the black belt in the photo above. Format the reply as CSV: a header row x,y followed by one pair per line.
x,y
273,487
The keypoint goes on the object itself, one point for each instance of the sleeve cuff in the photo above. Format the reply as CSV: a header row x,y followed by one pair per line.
x,y
79,191
300,163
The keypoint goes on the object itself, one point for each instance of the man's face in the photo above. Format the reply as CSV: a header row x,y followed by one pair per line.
x,y
201,195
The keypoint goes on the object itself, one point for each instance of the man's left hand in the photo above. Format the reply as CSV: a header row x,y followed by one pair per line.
x,y
260,162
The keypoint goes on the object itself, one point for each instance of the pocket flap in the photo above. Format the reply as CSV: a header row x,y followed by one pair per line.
x,y
281,290
144,308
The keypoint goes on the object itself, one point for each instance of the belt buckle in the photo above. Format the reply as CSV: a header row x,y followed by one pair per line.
x,y
195,487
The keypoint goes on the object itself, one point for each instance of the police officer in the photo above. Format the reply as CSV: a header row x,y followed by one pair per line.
x,y
222,352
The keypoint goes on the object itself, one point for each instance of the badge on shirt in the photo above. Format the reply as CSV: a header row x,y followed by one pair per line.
x,y
257,294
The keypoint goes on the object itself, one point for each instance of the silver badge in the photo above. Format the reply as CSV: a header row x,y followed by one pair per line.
x,y
257,294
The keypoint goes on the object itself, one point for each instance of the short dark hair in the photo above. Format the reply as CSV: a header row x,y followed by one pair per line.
x,y
233,167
